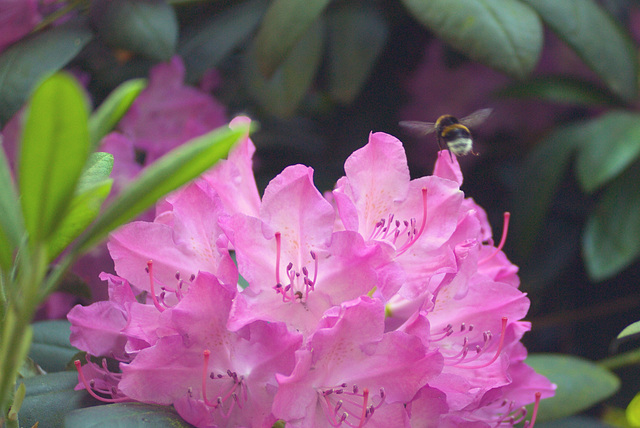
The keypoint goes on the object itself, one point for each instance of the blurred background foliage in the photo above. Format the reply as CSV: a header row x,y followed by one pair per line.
x,y
561,150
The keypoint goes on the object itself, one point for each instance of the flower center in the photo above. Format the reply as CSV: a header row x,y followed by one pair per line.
x,y
351,406
470,350
160,301
401,233
231,388
298,284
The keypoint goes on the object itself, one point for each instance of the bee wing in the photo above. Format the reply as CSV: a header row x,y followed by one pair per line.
x,y
418,128
476,118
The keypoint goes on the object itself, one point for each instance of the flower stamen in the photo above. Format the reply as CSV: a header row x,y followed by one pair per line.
x,y
503,239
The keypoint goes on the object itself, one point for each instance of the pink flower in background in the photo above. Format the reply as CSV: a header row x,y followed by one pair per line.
x,y
168,112
17,19
389,307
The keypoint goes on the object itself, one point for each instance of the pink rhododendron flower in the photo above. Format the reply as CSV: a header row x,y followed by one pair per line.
x,y
168,113
388,306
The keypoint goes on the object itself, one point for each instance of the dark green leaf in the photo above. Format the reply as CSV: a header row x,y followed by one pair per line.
x,y
165,175
113,108
11,225
506,35
597,38
541,175
55,146
357,36
560,89
283,27
26,63
611,143
581,384
125,415
281,94
610,240
146,27
50,347
50,398
203,46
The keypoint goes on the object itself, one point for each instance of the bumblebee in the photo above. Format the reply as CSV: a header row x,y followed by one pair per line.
x,y
455,133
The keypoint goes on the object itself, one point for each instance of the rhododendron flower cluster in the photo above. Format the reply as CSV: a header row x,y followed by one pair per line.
x,y
382,304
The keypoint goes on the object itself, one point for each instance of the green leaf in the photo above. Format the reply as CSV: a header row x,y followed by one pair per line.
x,y
50,347
282,94
357,36
541,175
597,38
630,330
11,225
165,175
146,27
203,46
55,146
283,27
113,108
505,34
574,422
560,89
26,63
611,143
125,415
50,398
581,384
93,188
610,241
96,171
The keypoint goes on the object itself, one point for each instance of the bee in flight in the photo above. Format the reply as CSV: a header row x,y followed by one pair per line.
x,y
455,133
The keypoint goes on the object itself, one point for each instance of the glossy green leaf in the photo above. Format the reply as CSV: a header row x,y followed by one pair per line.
x,y
50,398
611,143
541,175
357,36
503,34
610,240
113,108
165,175
581,384
204,45
50,347
55,146
26,63
284,26
597,38
559,89
282,94
146,27
125,415
11,224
